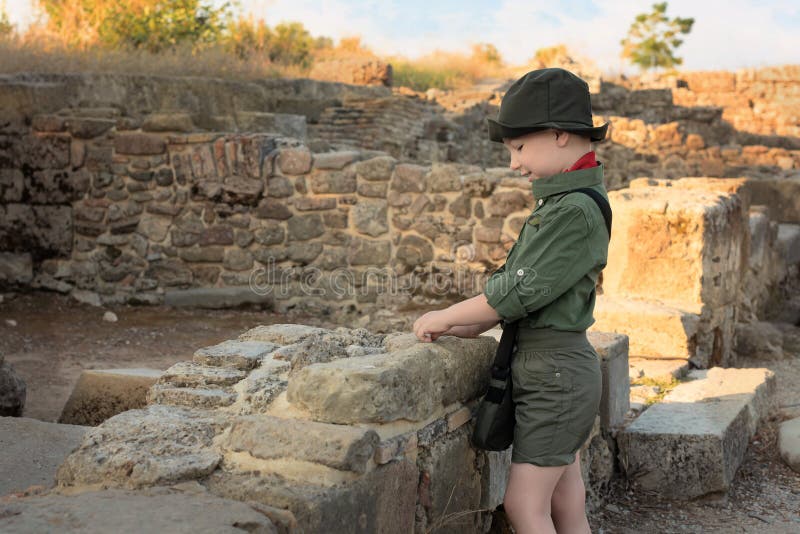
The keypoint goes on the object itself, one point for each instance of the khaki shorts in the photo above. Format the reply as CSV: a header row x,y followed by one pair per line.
x,y
557,384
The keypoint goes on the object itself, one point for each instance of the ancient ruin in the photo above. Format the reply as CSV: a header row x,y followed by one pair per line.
x,y
368,204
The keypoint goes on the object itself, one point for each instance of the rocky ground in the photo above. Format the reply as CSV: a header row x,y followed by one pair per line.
x,y
764,497
50,339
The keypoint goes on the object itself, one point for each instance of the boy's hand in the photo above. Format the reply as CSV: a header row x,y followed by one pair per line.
x,y
431,325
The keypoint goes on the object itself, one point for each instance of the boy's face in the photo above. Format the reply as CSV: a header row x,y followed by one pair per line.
x,y
538,154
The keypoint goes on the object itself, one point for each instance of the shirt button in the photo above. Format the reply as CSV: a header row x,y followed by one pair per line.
x,y
540,201
558,374
520,272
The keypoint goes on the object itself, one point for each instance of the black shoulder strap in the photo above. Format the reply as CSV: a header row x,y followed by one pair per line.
x,y
601,202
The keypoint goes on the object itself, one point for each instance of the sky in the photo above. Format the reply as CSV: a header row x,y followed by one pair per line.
x,y
726,34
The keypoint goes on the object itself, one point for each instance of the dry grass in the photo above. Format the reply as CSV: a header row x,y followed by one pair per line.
x,y
22,54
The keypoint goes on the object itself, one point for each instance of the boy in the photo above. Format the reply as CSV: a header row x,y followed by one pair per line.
x,y
547,282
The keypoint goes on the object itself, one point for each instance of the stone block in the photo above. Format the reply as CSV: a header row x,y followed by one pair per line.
x,y
411,383
281,334
190,374
12,391
244,355
147,447
661,369
139,144
380,501
204,398
682,245
103,393
693,442
613,352
271,438
635,318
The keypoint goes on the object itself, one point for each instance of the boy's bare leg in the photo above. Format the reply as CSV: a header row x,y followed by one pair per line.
x,y
528,497
568,504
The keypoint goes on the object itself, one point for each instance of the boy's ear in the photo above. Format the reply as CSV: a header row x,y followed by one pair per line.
x,y
562,138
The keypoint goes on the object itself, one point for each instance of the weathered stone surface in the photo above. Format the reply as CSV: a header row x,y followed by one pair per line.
x,y
442,178
669,245
216,297
168,122
369,217
615,400
15,269
12,391
789,443
368,252
241,190
192,397
380,501
334,182
635,318
281,334
139,144
43,231
88,128
409,178
283,123
335,160
692,442
295,160
154,227
449,483
239,354
103,393
268,438
262,386
156,445
414,250
32,451
660,370
237,260
410,383
376,169
152,510
304,227
190,374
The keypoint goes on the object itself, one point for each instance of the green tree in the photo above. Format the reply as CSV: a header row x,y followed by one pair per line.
x,y
653,38
165,24
6,28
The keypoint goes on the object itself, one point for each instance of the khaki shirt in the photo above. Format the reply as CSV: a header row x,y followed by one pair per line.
x,y
551,271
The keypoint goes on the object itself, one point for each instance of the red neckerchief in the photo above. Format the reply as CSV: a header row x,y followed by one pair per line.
x,y
587,161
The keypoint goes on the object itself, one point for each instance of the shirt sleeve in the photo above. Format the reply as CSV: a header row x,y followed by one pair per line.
x,y
547,263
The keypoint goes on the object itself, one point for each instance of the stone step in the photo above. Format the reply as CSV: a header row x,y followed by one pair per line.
x,y
103,393
654,330
190,374
243,355
692,442
191,397
656,369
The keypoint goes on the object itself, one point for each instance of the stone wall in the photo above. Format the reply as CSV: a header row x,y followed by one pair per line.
x,y
332,431
115,215
760,102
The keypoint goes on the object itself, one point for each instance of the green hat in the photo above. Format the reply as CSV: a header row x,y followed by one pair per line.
x,y
542,99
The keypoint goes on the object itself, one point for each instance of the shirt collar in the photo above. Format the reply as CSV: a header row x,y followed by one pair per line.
x,y
567,180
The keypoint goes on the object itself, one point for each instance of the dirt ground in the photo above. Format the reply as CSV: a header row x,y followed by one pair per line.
x,y
50,339
55,338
